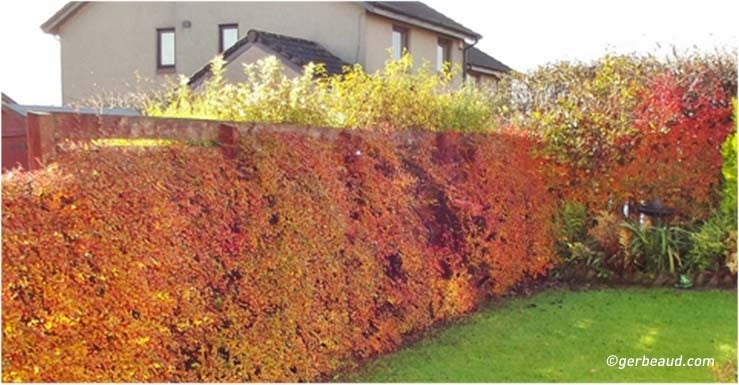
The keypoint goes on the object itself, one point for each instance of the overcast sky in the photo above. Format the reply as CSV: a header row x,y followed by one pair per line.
x,y
521,33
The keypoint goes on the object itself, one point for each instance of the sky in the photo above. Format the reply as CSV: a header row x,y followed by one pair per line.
x,y
523,34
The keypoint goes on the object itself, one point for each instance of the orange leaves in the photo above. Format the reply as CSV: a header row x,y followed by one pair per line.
x,y
300,253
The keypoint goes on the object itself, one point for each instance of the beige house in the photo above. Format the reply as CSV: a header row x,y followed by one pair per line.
x,y
106,45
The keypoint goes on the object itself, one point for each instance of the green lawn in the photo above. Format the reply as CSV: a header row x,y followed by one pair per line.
x,y
566,336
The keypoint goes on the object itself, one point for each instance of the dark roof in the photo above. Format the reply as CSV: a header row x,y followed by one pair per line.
x,y
7,99
478,58
54,22
421,11
297,51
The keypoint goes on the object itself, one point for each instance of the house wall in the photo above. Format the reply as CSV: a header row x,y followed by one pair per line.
x,y
421,44
105,44
483,79
101,54
334,25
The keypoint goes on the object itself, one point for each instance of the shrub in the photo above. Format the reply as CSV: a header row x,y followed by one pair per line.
x,y
725,371
606,232
396,97
714,244
571,222
574,244
580,111
307,251
267,95
677,155
710,244
628,128
295,258
731,254
659,248
729,172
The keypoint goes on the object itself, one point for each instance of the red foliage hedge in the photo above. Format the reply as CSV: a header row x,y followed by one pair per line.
x,y
674,153
301,255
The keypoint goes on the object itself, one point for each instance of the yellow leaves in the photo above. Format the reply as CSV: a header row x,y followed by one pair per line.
x,y
8,329
162,296
54,321
80,278
189,293
33,322
182,326
198,322
401,96
141,340
130,142
12,376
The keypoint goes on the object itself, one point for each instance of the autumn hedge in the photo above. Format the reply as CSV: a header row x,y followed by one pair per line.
x,y
629,128
304,251
297,257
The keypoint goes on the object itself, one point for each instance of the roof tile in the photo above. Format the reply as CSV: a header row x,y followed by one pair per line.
x,y
479,58
297,51
421,11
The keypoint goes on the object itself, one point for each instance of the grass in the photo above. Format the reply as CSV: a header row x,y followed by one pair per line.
x,y
566,336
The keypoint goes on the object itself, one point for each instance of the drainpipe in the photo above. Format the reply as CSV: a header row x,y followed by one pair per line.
x,y
464,58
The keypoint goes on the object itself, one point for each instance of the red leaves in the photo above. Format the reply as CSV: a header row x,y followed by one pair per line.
x,y
677,153
673,153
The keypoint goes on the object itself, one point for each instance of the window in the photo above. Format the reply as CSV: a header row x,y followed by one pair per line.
x,y
228,35
400,42
443,53
165,48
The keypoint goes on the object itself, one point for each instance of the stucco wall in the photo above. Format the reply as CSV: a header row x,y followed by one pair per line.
x,y
333,25
104,45
421,44
483,79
